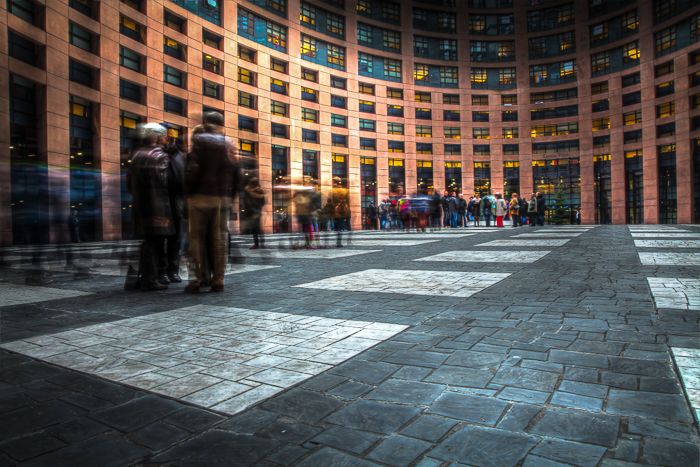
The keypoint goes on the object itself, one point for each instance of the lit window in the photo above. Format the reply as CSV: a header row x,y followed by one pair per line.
x,y
666,110
277,36
309,115
308,47
335,24
391,39
630,52
246,76
395,128
481,133
510,133
665,41
600,62
393,93
630,22
631,118
422,97
420,72
506,76
478,76
365,88
452,133
423,131
307,14
599,32
601,123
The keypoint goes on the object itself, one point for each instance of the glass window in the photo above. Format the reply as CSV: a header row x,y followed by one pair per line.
x,y
630,22
396,128
396,146
308,47
246,100
246,76
309,75
309,115
367,125
600,62
631,80
420,72
278,66
510,132
246,54
423,114
307,14
278,130
394,110
630,52
391,12
80,73
452,132
309,136
422,97
665,41
130,29
173,76
339,141
602,123
391,39
79,37
393,93
509,99
336,57
308,94
424,148
630,118
364,33
368,144
278,86
339,101
339,120
599,32
340,83
506,76
449,77
420,46
480,100
599,88
173,48
478,76
424,131
480,133
450,99
367,106
172,104
214,65
276,36
129,91
663,69
392,69
365,88
450,115
210,39
335,24
666,110
129,59
246,123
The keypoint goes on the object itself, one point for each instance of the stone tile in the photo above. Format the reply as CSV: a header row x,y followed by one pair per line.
x,y
351,390
328,457
524,395
157,436
477,409
289,431
627,450
455,376
406,392
671,453
286,455
669,259
27,419
369,372
578,358
105,450
417,358
526,378
14,294
486,257
181,387
574,425
302,405
667,243
529,243
346,439
29,447
429,428
77,430
518,417
584,389
216,393
193,420
486,447
584,455
577,401
387,418
249,422
243,401
398,451
475,359
648,404
137,413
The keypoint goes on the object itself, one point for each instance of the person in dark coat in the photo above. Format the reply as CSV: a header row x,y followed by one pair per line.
x,y
148,183
445,203
253,203
454,208
541,209
436,211
169,270
211,175
523,210
462,211
372,216
74,223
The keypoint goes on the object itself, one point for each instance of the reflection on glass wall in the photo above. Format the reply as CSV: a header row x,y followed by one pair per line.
x,y
548,174
634,186
453,176
602,188
424,173
84,176
668,204
482,178
511,178
280,189
397,178
368,185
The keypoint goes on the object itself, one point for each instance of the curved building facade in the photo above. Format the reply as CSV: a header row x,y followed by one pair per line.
x,y
600,97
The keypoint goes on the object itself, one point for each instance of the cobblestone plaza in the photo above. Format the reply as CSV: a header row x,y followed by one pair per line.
x,y
475,347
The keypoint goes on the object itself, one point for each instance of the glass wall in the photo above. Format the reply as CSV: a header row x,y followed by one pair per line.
x,y
482,178
397,178
280,189
453,176
424,173
84,177
548,174
368,186
511,178
668,206
634,186
602,188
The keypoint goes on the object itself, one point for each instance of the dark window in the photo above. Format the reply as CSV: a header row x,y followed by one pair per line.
x,y
309,136
424,114
479,116
22,49
453,149
173,22
339,140
79,37
24,9
632,98
554,112
339,101
601,141
396,146
280,87
368,144
246,123
599,106
631,80
555,146
564,94
83,6
81,73
633,136
211,64
211,89
664,89
367,106
340,83
669,129
174,76
663,69
173,105
129,90
172,48
308,94
509,116
244,53
278,130
394,110
130,29
450,115
211,39
424,148
129,59
511,149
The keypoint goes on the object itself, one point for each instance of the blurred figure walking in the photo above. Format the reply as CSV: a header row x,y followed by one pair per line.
x,y
383,210
462,211
532,210
514,210
210,185
253,202
501,209
169,268
341,203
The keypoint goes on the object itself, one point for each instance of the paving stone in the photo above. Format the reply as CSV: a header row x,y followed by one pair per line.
x,y
78,429
429,428
526,378
428,462
671,453
105,450
627,450
574,425
157,436
462,358
584,455
193,420
648,404
290,431
86,402
537,461
346,439
412,373
286,455
584,389
485,447
327,457
218,448
524,395
635,366
31,446
409,392
544,366
323,382
475,409
387,418
424,359
469,377
518,417
369,372
351,390
14,401
398,451
303,405
249,422
665,385
659,429
578,358
27,419
137,413
618,380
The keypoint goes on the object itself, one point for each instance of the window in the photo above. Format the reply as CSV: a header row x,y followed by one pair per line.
x,y
278,108
278,65
308,47
246,100
509,116
664,89
129,91
335,24
509,99
308,94
391,40
339,141
396,146
278,86
172,104
364,34
367,106
394,110
630,118
632,136
276,36
391,12
394,128
423,114
664,9
80,73
452,133
393,93
246,124
601,105
480,116
481,133
448,49
630,53
246,76
630,22
211,40
694,29
478,78
244,53
129,59
24,9
79,37
422,97
213,65
449,76
130,29
666,110
339,101
511,149
365,88
558,129
695,79
420,46
482,150
564,94
506,77
664,131
83,6
339,120
601,142
309,115
480,100
510,132
599,88
538,74
340,83
173,49
632,98
450,115
368,144
309,136
173,22
424,148
450,99
631,80
336,57
695,101
278,130
309,75
663,69
554,146
421,72
367,125
602,123
174,76
307,14
665,41
599,33
424,131
600,63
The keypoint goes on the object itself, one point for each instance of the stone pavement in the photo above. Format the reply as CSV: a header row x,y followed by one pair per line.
x,y
579,348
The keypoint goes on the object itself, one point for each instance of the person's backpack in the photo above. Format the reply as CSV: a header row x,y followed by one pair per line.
x,y
532,207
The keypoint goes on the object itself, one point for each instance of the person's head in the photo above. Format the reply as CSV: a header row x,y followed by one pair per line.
x,y
471,198
537,194
515,195
214,122
154,134
75,212
371,203
447,193
461,196
532,195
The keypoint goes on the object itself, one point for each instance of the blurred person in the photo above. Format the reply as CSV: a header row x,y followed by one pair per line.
x,y
435,211
169,268
329,214
341,204
394,214
489,203
532,210
304,207
383,211
514,210
445,203
454,209
577,218
74,226
404,210
541,209
523,210
253,202
501,209
148,182
211,175
462,211
476,209
372,216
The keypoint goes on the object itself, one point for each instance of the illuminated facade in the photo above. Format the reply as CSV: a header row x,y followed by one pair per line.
x,y
600,96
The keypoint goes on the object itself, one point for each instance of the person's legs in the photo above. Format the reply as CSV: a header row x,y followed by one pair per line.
x,y
499,221
487,218
219,236
149,260
197,229
446,219
541,221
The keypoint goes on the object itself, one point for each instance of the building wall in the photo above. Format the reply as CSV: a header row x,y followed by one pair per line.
x,y
50,32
